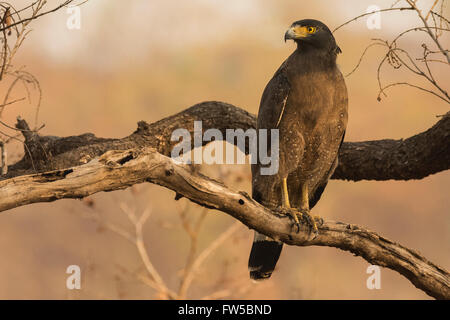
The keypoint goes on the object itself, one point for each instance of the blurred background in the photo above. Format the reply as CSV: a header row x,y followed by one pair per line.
x,y
145,60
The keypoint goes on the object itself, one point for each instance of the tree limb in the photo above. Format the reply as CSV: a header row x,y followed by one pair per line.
x,y
119,169
413,158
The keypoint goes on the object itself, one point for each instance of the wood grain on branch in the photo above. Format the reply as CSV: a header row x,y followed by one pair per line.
x,y
119,169
413,158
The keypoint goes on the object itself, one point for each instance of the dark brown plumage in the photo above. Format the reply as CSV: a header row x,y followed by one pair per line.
x,y
306,100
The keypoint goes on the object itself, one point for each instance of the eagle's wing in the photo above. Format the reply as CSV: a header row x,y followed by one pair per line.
x,y
321,187
266,251
271,110
274,99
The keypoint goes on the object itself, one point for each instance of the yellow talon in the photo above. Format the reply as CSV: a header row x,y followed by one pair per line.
x,y
303,213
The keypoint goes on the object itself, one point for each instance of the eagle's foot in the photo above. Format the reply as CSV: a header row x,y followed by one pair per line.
x,y
297,216
319,220
301,215
310,220
293,213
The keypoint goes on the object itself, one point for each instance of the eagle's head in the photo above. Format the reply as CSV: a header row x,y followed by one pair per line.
x,y
312,33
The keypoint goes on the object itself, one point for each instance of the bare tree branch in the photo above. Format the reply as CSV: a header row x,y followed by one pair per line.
x,y
189,276
394,54
35,13
412,158
370,13
3,158
119,169
429,30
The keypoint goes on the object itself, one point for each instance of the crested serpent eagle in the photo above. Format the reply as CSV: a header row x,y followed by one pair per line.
x,y
306,100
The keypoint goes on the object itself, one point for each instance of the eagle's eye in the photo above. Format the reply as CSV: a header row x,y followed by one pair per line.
x,y
311,30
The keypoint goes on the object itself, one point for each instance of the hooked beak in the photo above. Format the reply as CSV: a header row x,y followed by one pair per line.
x,y
295,33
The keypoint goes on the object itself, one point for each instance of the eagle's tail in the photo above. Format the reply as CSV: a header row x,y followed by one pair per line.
x,y
263,257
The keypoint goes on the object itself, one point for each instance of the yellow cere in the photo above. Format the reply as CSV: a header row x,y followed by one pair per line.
x,y
303,31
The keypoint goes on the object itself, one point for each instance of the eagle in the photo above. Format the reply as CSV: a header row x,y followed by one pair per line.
x,y
306,100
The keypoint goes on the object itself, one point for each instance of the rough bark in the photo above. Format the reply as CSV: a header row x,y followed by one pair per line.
x,y
413,158
119,169
74,167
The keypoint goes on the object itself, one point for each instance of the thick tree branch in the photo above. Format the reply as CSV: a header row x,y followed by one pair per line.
x,y
413,158
119,169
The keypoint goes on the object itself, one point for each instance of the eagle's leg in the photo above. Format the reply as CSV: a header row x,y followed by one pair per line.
x,y
305,208
293,212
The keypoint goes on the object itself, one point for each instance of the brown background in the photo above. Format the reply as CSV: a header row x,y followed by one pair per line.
x,y
144,60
